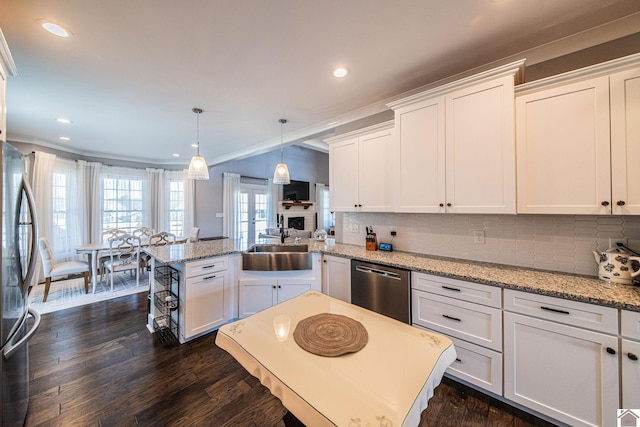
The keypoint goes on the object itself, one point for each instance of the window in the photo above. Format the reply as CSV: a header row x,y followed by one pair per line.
x,y
176,207
123,203
59,206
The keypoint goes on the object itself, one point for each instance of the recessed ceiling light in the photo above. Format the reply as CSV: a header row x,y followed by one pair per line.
x,y
63,120
194,145
340,71
176,155
64,138
55,29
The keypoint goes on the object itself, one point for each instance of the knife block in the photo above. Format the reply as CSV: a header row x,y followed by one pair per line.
x,y
372,242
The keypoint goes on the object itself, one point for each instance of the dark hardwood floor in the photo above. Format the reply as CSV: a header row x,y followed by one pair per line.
x,y
97,365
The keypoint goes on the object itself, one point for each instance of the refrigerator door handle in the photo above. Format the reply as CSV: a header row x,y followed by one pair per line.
x,y
11,347
26,188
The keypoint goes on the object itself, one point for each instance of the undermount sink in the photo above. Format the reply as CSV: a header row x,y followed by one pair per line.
x,y
277,258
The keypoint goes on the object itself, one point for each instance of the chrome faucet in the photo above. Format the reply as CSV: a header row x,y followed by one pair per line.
x,y
281,228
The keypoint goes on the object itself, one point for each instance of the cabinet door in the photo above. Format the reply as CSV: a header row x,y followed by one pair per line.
x,y
563,149
625,142
630,374
343,175
204,306
480,148
336,277
256,295
375,170
564,372
421,147
291,288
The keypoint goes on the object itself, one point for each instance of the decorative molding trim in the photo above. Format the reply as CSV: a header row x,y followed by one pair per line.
x,y
359,132
7,59
596,70
515,69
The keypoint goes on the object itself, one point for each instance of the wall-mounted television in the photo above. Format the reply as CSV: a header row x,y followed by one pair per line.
x,y
296,191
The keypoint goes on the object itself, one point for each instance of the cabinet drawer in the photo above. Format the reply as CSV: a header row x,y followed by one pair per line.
x,y
630,324
477,365
583,315
459,289
471,322
205,266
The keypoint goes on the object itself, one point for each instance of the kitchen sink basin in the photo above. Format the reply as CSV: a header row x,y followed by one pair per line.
x,y
277,258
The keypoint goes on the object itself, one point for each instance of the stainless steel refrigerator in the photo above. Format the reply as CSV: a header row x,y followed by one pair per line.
x,y
18,322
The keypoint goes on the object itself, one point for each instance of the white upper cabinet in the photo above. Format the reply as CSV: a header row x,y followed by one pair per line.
x,y
361,170
420,141
625,142
481,157
577,140
455,146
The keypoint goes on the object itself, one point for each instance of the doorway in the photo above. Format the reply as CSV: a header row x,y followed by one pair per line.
x,y
252,218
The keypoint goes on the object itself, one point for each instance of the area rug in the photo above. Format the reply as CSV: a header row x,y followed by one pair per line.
x,y
69,293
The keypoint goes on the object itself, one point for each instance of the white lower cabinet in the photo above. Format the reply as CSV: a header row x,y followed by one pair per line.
x,y
204,294
556,367
259,294
630,365
444,305
336,277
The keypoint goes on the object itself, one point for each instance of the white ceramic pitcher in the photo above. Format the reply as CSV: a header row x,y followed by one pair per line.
x,y
617,266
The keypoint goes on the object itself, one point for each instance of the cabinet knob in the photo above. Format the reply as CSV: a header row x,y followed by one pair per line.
x,y
355,206
621,203
279,287
632,356
610,350
359,205
442,205
605,203
273,286
449,204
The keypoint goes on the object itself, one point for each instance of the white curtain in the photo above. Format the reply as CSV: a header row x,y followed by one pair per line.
x,y
93,196
189,203
230,201
43,165
273,193
69,229
156,200
321,207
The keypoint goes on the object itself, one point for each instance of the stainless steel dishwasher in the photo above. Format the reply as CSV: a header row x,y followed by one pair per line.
x,y
382,289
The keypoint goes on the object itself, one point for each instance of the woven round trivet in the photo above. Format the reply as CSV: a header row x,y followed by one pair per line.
x,y
330,335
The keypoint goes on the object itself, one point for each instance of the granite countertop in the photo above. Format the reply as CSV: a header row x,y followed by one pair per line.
x,y
563,285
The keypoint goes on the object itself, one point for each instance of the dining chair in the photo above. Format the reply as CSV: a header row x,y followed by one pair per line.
x,y
143,232
124,255
104,255
195,235
65,268
162,238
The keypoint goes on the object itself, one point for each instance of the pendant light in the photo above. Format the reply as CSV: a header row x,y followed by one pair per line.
x,y
198,167
281,174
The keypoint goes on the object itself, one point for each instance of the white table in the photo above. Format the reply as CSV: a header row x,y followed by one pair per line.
x,y
92,249
387,383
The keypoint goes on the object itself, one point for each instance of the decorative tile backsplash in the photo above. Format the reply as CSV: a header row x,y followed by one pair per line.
x,y
549,242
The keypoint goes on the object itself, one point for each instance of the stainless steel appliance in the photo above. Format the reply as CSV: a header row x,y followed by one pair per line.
x,y
19,255
382,289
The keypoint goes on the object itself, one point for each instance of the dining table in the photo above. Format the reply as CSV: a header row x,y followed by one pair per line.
x,y
93,250
332,363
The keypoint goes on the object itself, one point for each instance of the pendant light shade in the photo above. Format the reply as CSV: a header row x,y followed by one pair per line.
x,y
281,174
198,166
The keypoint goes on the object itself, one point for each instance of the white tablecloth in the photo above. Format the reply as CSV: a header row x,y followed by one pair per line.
x,y
388,383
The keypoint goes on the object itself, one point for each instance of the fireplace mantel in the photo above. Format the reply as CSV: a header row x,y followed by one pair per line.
x,y
305,205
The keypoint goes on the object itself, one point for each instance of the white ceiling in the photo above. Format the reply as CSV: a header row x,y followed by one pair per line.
x,y
134,69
